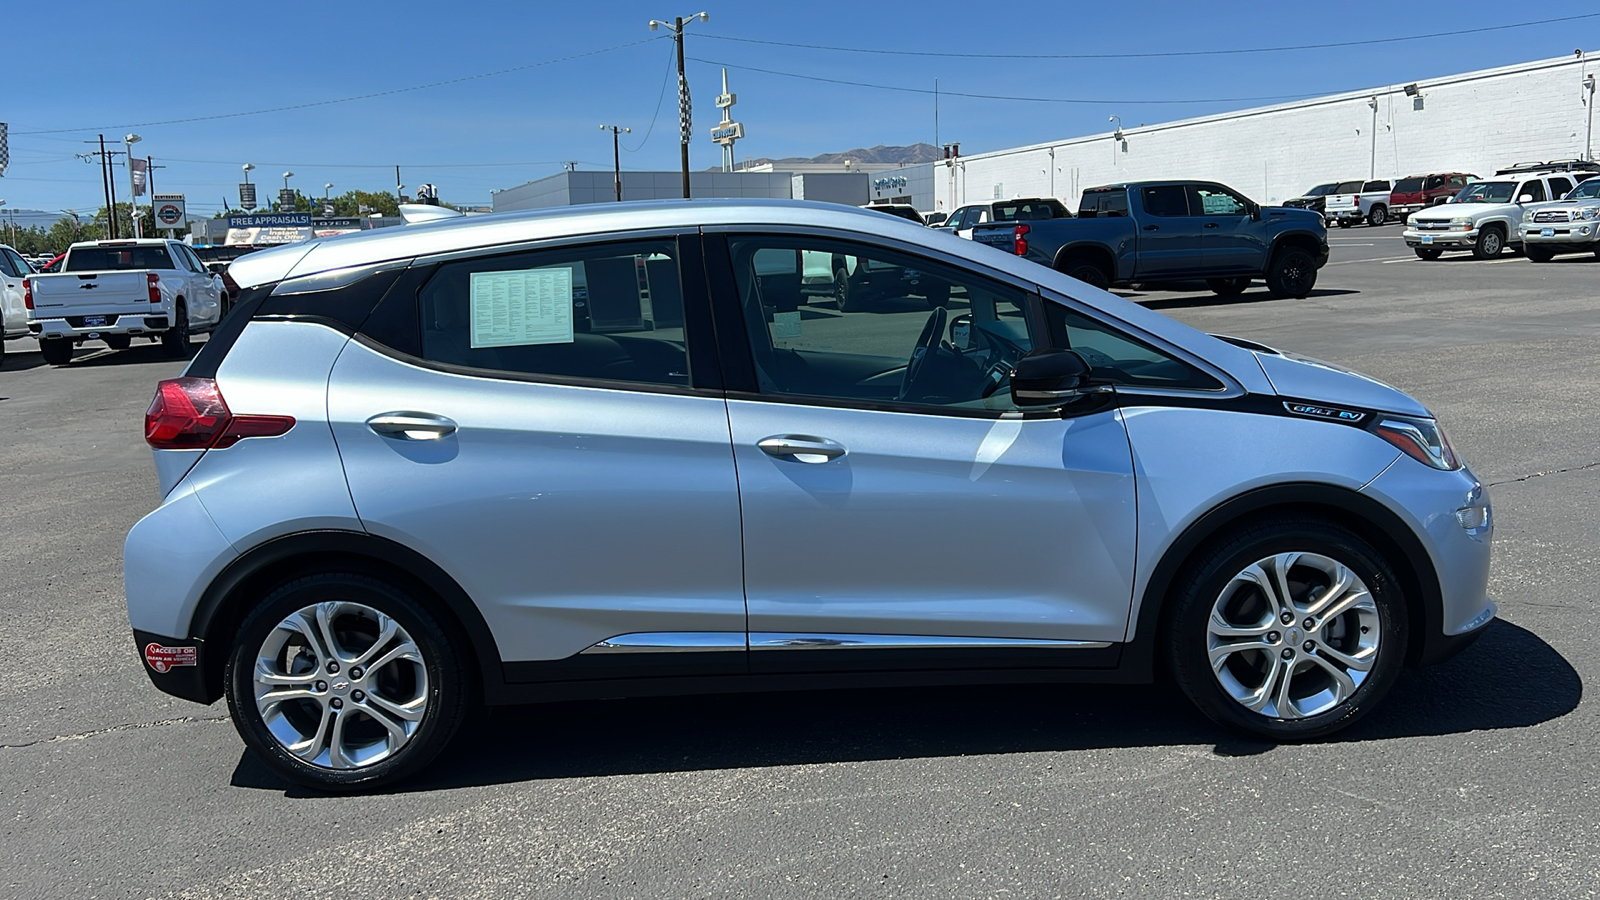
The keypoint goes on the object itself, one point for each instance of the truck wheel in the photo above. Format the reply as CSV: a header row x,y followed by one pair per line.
x,y
1427,253
1378,215
1538,254
1228,287
57,352
1089,273
175,340
119,341
1490,243
1344,223
1293,273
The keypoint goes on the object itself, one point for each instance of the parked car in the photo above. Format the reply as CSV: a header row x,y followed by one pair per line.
x,y
1568,225
1156,231
1027,209
1357,202
13,307
118,290
1314,199
903,210
1416,192
1486,216
935,218
401,484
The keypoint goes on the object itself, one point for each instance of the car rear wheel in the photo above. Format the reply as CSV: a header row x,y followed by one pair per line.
x,y
1345,223
1428,254
842,292
1228,287
341,682
1089,273
118,341
1538,254
175,340
1291,629
57,352
1490,243
1378,215
1293,273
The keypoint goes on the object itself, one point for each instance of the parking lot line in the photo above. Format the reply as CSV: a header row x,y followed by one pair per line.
x,y
1347,262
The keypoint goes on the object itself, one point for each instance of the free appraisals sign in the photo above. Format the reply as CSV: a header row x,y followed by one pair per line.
x,y
170,211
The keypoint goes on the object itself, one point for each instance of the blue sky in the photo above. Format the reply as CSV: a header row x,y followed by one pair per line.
x,y
135,65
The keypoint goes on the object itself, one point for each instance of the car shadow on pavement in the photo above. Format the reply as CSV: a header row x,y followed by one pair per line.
x,y
1508,679
1257,295
137,355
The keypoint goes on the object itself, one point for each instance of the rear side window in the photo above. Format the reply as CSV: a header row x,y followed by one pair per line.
x,y
1103,203
1408,185
102,259
611,312
1559,187
1166,200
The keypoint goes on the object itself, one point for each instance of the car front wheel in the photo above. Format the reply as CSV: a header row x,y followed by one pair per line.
x,y
1490,243
1228,287
341,682
1539,254
1290,629
1428,254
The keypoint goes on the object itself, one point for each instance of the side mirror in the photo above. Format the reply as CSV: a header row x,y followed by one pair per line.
x,y
1049,378
1255,212
961,331
1525,198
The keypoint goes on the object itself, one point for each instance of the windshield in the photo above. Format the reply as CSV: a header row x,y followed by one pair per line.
x,y
1589,190
1408,185
104,259
1321,190
1487,192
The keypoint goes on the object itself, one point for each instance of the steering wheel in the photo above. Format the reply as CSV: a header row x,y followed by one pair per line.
x,y
927,343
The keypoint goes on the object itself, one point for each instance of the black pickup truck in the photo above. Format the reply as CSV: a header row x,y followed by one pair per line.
x,y
1167,231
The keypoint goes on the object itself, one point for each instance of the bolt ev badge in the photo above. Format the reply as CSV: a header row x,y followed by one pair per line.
x,y
1324,412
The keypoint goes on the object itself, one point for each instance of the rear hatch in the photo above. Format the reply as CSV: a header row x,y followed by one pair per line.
x,y
1407,192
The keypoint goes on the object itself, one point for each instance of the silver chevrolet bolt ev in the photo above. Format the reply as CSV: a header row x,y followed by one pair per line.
x,y
671,447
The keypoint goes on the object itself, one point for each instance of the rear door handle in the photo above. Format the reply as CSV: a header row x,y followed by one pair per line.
x,y
411,426
1211,224
1152,228
801,448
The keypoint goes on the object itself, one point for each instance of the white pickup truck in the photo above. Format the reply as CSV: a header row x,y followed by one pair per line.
x,y
114,291
1358,201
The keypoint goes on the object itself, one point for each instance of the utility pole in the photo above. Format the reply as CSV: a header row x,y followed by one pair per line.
x,y
105,178
684,123
111,214
616,155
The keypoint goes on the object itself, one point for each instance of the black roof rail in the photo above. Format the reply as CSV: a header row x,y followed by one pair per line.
x,y
1557,165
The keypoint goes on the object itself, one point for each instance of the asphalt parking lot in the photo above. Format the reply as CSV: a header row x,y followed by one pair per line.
x,y
1476,779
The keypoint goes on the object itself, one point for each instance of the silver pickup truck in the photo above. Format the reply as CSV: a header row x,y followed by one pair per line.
x,y
115,291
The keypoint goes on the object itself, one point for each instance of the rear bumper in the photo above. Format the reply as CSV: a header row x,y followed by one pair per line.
x,y
73,328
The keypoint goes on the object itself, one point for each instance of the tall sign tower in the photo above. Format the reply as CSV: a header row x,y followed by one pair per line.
x,y
727,131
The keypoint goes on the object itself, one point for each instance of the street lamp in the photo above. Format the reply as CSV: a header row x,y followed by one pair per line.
x,y
327,204
286,177
676,28
616,155
248,168
133,195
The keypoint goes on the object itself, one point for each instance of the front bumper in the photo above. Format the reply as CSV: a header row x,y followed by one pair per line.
x,y
1440,239
1581,234
75,327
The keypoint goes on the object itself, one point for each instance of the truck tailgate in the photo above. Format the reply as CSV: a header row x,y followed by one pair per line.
x,y
1001,236
76,293
1342,201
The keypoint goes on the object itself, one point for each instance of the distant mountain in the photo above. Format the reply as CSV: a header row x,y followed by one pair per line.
x,y
916,153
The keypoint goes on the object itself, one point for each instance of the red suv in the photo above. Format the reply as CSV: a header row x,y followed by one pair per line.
x,y
1422,191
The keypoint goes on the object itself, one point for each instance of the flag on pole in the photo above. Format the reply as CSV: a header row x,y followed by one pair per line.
x,y
5,150
685,127
139,173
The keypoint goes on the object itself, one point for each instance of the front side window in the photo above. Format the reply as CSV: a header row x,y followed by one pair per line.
x,y
1166,200
610,312
1119,358
837,320
1533,190
1216,201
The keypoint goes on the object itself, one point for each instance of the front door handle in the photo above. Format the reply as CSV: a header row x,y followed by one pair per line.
x,y
411,426
1211,224
801,448
1152,228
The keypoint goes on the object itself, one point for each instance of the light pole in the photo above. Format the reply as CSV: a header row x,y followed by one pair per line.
x,y
327,202
1372,171
133,189
1588,138
616,155
683,89
1116,137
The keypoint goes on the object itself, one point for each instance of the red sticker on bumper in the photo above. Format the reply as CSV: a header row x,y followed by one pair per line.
x,y
162,658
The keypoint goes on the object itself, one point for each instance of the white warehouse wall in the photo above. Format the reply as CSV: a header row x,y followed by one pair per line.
x,y
1476,122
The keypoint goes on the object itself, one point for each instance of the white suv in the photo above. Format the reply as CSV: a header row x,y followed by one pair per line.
x,y
1487,216
1568,225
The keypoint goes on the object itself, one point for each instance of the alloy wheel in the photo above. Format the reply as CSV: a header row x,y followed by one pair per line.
x,y
340,685
1293,635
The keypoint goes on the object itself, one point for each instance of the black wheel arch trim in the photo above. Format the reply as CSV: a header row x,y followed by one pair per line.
x,y
1099,252
268,563
1386,530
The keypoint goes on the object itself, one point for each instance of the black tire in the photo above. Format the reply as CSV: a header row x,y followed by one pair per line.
x,y
1490,243
448,695
1538,254
56,352
1293,273
1345,223
1427,253
1377,215
1089,273
842,294
175,340
1228,287
119,341
1188,638
1404,218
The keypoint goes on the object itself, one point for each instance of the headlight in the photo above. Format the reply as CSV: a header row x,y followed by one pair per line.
x,y
1589,212
1421,439
1463,224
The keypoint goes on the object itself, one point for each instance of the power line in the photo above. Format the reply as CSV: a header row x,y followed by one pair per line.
x,y
419,87
655,115
386,166
1156,54
948,93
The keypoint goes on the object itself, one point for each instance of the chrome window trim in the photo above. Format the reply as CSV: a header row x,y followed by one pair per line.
x,y
555,243
668,642
783,640
333,278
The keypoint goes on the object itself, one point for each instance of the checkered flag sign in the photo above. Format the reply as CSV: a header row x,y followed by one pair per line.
x,y
5,150
685,126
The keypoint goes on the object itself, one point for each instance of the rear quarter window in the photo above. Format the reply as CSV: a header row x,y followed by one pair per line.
x,y
1103,203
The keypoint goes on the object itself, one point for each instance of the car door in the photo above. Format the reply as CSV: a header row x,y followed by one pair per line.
x,y
1170,234
887,510
1232,240
576,480
13,312
205,300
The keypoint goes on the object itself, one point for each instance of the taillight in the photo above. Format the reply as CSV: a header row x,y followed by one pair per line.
x,y
1019,240
153,282
190,414
27,293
